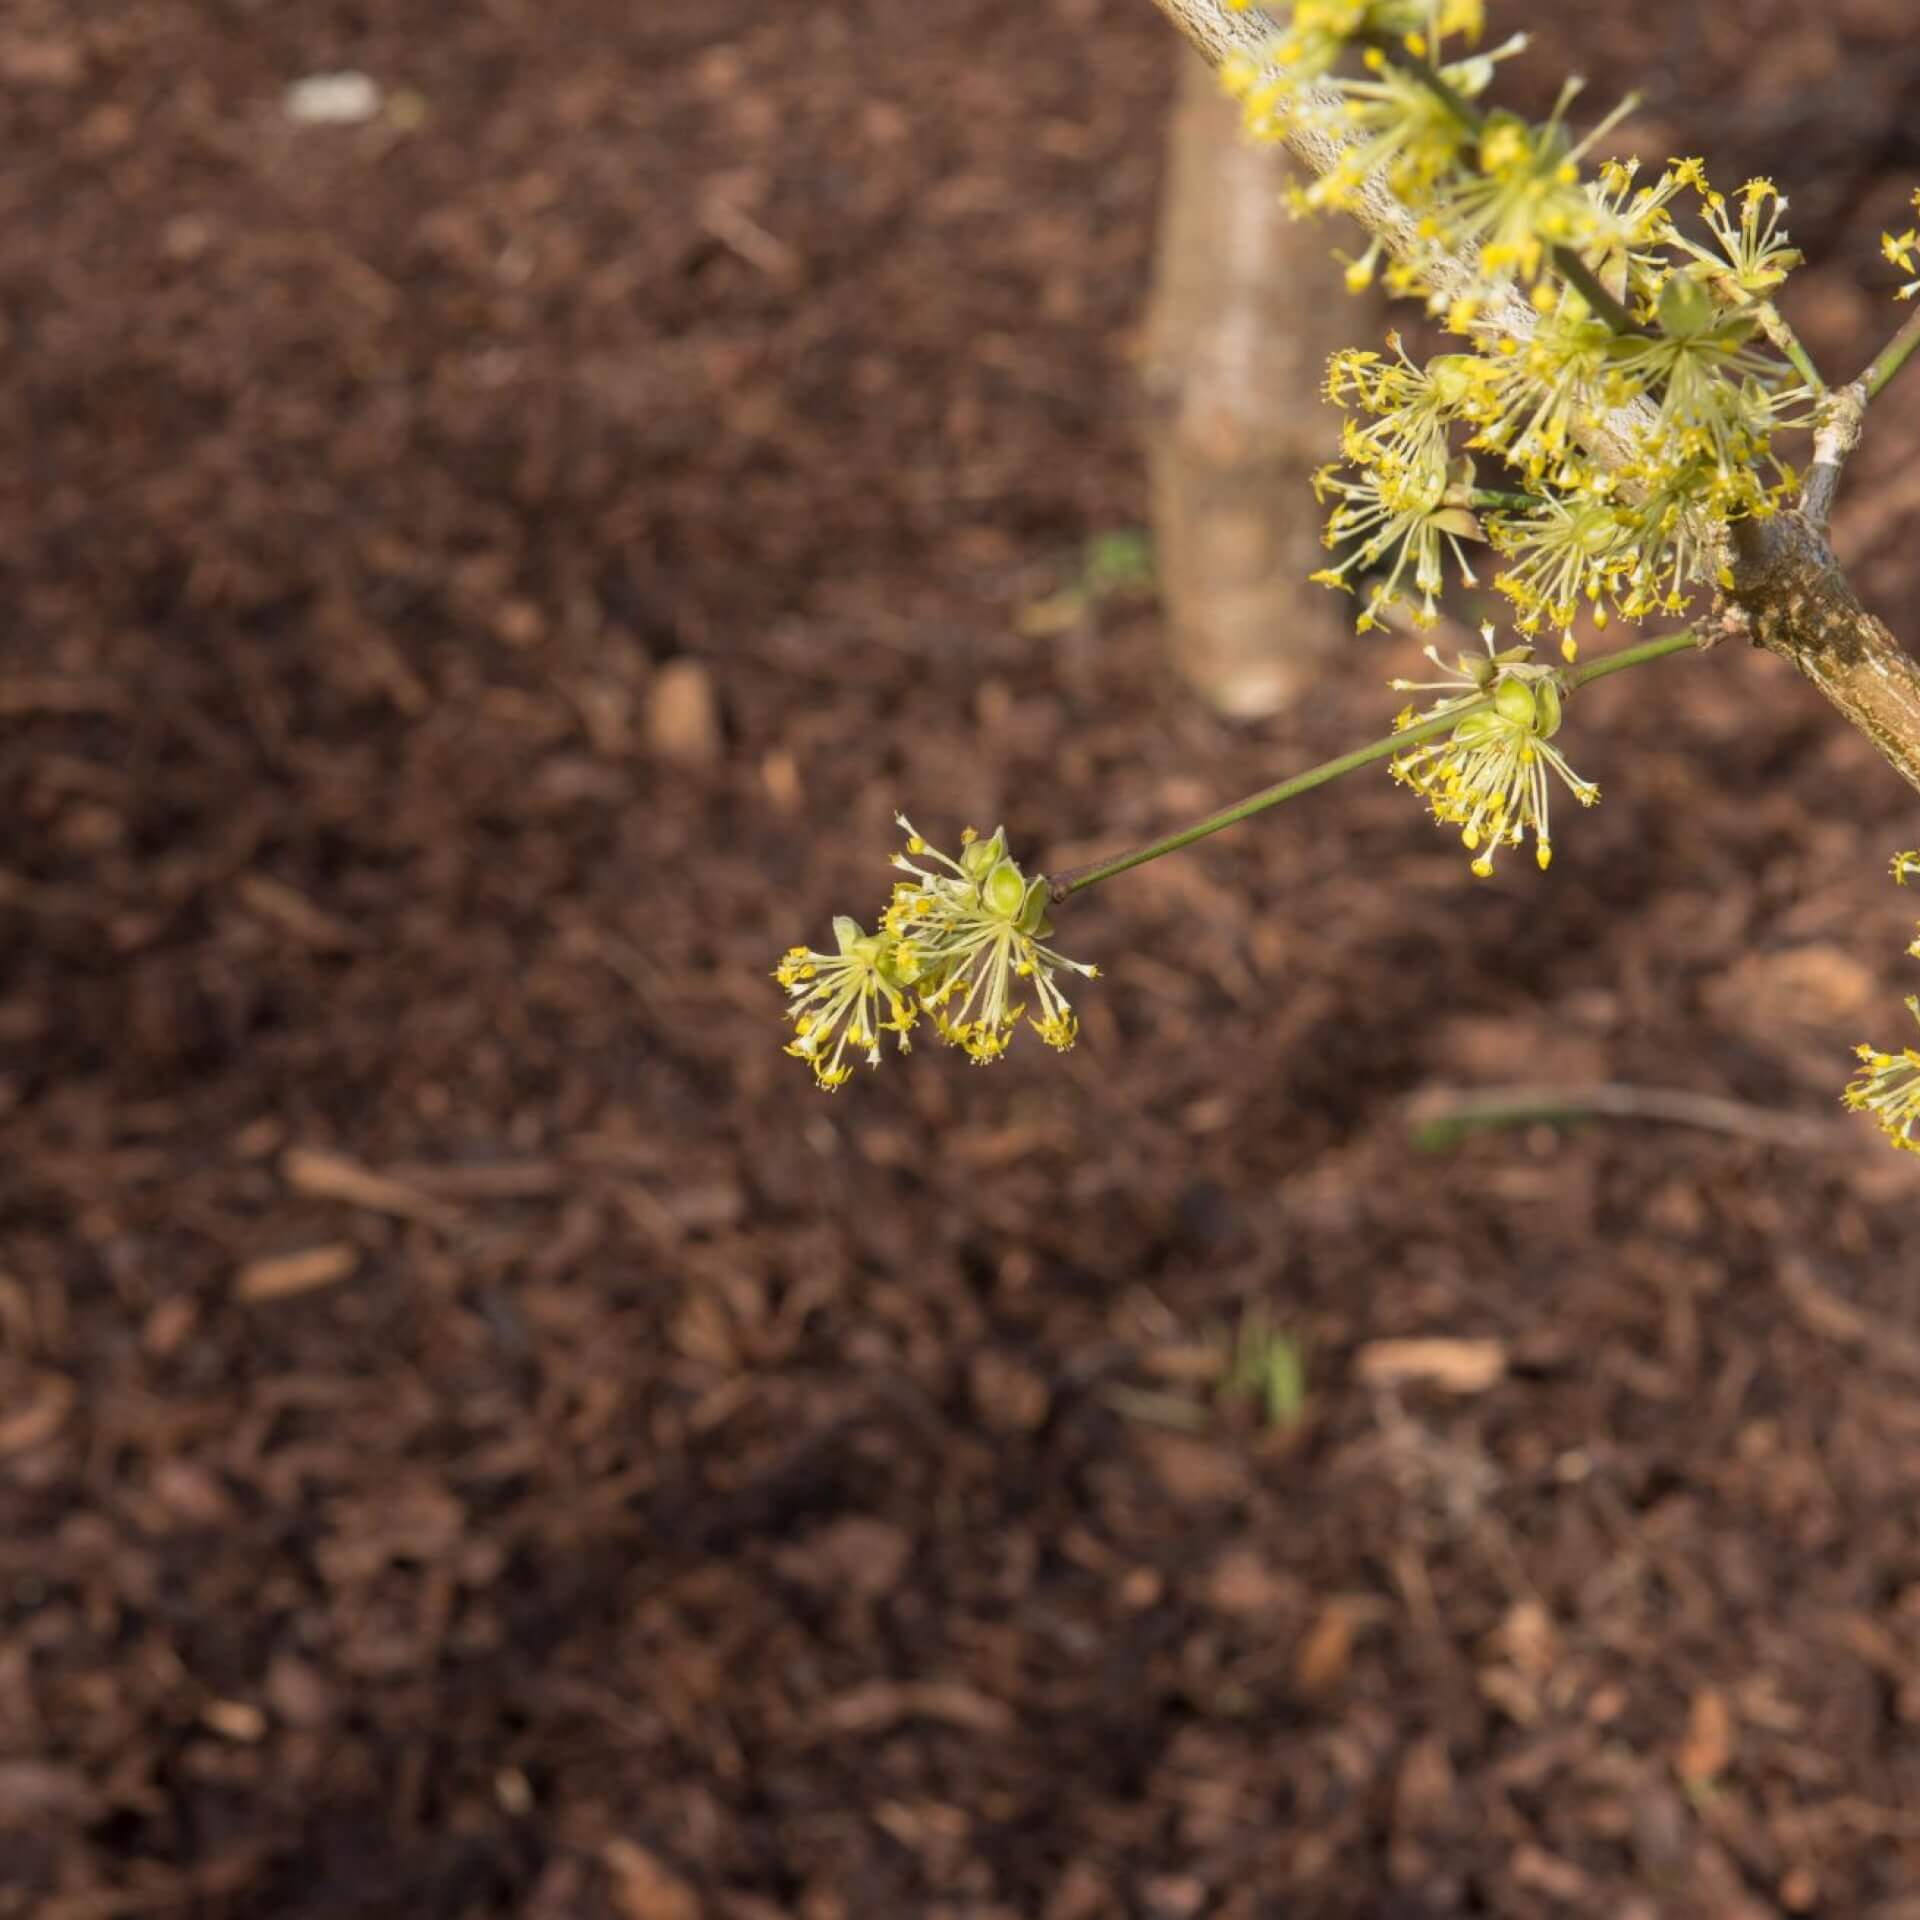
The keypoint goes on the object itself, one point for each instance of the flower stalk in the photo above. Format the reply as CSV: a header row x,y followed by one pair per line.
x,y
1079,879
1892,357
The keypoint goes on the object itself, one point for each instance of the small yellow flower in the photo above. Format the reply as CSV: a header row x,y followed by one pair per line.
x,y
1903,251
834,1001
1754,256
1489,776
1400,528
976,929
1888,1087
1524,198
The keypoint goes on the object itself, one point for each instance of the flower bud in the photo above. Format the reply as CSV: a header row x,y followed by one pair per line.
x,y
1513,700
1595,530
1504,146
978,856
1547,698
1005,892
1453,376
1685,306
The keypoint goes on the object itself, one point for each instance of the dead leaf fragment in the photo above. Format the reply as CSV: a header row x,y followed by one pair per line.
x,y
645,1887
1538,1871
881,1704
332,1176
43,1415
1011,1396
33,1792
295,914
1081,1893
1833,1318
191,1494
279,1276
1327,1651
1454,1366
1707,1748
683,714
1194,1472
857,1555
1244,1585
28,60
237,1720
297,1692
1424,1788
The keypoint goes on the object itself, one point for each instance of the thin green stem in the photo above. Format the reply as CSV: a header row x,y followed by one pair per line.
x,y
1635,656
1773,323
1496,500
1061,886
1586,283
1083,877
1893,356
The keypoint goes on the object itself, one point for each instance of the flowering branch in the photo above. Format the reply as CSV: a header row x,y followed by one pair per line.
x,y
1630,375
1782,576
1446,721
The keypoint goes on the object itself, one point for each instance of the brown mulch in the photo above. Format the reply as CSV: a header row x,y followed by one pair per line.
x,y
479,1435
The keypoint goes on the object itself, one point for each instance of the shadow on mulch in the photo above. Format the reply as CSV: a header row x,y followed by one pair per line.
x,y
480,1435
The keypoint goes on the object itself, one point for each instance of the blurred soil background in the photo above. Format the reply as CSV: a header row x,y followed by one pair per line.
x,y
480,1435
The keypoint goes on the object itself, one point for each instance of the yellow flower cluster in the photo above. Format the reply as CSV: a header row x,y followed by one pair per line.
x,y
1887,1085
1394,515
961,941
1488,777
1903,251
1651,333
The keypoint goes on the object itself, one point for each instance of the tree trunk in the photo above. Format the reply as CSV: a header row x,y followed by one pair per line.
x,y
1246,307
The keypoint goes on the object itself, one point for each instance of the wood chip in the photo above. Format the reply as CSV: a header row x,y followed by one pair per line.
x,y
1327,1651
32,1792
293,913
1194,1472
281,1275
1424,1788
1244,1585
1011,1396
487,1180
1539,1871
645,1887
855,1554
1824,1312
332,1176
683,714
237,1720
1707,1750
882,1704
44,1414
34,693
1454,1366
